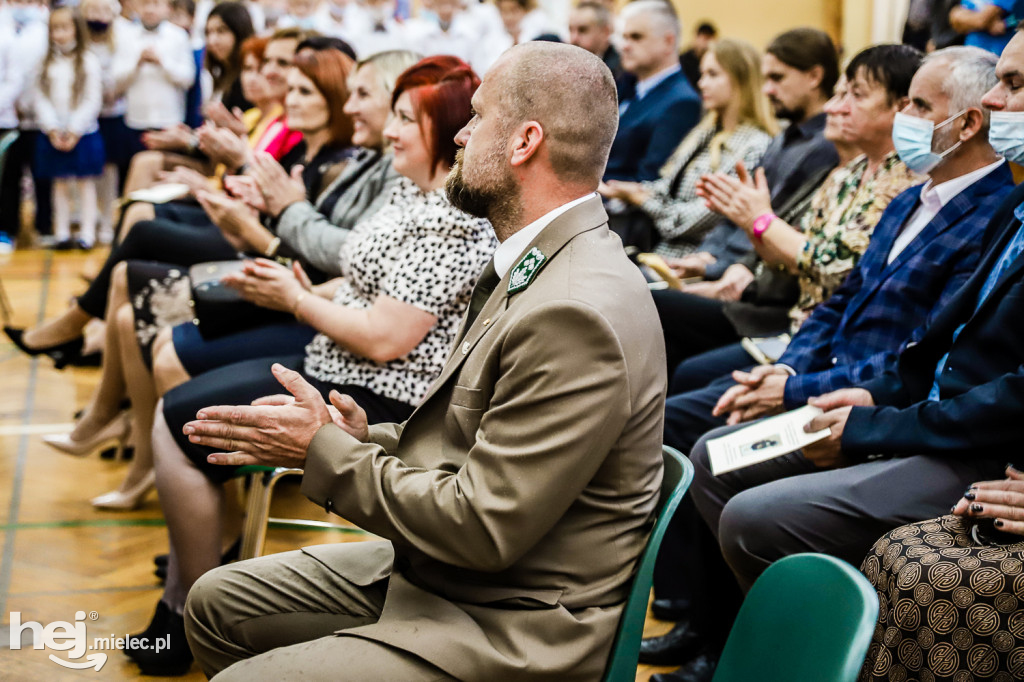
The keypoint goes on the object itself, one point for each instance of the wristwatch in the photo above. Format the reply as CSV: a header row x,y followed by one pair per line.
x,y
761,224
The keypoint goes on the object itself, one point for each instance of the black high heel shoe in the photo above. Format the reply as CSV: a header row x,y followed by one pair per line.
x,y
62,354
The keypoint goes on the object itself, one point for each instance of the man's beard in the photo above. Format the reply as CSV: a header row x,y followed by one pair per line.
x,y
793,115
494,200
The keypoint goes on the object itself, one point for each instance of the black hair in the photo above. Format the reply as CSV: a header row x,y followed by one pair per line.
x,y
806,48
891,66
706,28
236,17
319,43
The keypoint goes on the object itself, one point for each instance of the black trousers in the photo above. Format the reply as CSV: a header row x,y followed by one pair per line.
x,y
19,156
696,386
692,325
157,240
241,383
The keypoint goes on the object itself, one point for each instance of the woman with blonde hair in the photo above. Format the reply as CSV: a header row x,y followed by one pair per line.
x,y
737,127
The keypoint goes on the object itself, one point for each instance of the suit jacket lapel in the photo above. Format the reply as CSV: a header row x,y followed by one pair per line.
x,y
885,234
587,216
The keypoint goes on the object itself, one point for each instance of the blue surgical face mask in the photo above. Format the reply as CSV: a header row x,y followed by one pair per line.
x,y
26,14
912,137
1006,134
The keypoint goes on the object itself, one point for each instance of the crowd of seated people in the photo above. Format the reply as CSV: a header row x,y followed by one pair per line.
x,y
841,236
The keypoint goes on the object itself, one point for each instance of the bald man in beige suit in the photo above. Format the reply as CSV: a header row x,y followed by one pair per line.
x,y
516,500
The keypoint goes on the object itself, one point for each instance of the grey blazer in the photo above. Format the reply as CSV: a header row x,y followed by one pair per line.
x,y
357,192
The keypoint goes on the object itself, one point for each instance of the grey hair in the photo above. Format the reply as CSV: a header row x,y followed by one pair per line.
x,y
663,12
972,73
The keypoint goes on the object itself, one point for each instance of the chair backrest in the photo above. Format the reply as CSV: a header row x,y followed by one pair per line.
x,y
626,649
808,617
6,140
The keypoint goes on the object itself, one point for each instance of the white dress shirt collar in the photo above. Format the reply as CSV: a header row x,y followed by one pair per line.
x,y
933,199
509,250
651,82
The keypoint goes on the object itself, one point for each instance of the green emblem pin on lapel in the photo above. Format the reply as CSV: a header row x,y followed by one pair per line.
x,y
524,272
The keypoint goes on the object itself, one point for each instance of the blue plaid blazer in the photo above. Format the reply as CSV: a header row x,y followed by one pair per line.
x,y
851,337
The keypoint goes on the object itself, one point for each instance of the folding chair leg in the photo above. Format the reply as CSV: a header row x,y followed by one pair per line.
x,y
257,510
5,303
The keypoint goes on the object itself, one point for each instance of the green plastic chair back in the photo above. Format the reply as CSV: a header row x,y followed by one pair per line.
x,y
808,617
626,649
6,140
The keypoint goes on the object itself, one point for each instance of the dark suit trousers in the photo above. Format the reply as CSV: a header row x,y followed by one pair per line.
x,y
696,386
692,325
787,505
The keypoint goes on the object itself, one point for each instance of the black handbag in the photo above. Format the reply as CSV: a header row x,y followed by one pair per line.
x,y
218,310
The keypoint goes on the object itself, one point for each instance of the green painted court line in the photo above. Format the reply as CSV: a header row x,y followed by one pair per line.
x,y
153,523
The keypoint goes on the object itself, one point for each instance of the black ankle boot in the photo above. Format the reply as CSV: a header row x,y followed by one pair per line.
x,y
174,657
156,627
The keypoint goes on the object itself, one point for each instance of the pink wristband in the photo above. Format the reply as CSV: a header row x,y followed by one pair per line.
x,y
761,224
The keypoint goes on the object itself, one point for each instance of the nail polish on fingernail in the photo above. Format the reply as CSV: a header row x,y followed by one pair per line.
x,y
997,523
977,507
952,509
1009,465
968,495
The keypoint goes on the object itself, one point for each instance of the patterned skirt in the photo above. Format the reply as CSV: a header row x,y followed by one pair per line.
x,y
949,610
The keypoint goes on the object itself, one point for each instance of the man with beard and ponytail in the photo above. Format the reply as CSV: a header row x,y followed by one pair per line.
x,y
515,501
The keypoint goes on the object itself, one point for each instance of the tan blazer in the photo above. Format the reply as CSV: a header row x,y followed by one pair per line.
x,y
518,495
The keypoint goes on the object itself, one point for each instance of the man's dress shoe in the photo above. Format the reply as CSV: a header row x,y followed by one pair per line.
x,y
675,647
672,610
699,669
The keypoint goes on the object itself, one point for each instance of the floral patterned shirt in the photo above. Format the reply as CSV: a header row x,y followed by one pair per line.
x,y
418,249
838,226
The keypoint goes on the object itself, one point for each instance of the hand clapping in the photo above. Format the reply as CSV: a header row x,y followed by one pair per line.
x,y
276,430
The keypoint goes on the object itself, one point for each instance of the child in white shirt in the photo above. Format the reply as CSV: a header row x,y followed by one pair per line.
x,y
68,96
156,71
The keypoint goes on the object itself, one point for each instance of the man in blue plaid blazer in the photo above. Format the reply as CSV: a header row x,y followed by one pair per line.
x,y
925,247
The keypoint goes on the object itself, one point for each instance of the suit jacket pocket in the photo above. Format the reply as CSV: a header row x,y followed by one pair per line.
x,y
360,563
464,413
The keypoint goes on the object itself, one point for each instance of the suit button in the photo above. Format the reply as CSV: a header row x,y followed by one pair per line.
x,y
835,361
487,321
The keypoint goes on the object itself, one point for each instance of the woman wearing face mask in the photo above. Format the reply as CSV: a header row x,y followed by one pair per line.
x,y
385,327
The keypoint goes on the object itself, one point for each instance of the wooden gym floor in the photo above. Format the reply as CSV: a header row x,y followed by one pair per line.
x,y
58,555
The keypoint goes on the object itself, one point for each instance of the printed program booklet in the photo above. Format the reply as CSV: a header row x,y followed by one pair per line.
x,y
767,439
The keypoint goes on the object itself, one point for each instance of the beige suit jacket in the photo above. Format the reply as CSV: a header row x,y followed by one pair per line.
x,y
518,496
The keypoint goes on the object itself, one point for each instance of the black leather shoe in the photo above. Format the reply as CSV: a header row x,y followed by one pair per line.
x,y
675,647
672,610
699,669
174,658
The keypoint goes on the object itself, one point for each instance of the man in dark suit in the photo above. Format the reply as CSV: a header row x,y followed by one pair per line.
x,y
926,245
662,107
590,27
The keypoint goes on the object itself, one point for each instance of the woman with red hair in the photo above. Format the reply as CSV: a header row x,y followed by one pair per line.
x,y
384,328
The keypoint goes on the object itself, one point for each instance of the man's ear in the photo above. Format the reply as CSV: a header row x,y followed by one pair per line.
x,y
973,120
525,142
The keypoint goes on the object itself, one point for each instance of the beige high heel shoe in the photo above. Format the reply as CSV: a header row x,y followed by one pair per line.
x,y
116,432
127,500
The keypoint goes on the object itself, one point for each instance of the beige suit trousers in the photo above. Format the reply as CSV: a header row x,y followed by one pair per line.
x,y
274,618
